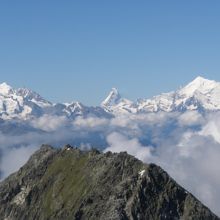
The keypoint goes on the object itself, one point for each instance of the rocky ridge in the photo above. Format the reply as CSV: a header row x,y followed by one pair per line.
x,y
72,184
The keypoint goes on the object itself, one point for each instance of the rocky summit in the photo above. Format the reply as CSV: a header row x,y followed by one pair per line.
x,y
69,183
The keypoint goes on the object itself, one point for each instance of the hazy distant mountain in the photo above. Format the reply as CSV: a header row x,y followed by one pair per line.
x,y
71,184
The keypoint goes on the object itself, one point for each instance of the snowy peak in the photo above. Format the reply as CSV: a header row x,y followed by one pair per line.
x,y
115,104
5,89
27,93
20,103
112,99
200,79
25,104
32,96
200,94
200,85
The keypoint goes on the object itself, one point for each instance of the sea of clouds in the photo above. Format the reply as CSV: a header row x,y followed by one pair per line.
x,y
186,145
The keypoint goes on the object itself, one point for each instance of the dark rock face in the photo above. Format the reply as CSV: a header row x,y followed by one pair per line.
x,y
71,184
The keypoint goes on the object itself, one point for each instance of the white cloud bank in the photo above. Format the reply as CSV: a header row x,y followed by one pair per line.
x,y
90,123
49,122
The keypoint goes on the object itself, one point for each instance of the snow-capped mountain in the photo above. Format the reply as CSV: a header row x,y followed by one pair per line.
x,y
75,109
200,94
112,99
116,105
32,96
20,103
24,104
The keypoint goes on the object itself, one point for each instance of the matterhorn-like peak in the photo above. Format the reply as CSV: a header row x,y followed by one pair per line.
x,y
114,92
5,89
113,98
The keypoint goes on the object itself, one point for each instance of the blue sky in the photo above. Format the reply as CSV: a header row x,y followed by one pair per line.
x,y
77,50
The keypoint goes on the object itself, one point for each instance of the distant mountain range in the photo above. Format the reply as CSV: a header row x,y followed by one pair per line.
x,y
25,104
200,94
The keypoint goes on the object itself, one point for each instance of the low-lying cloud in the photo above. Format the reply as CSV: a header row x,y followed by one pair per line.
x,y
89,123
49,122
118,143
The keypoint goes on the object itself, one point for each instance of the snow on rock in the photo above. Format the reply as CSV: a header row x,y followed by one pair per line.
x,y
5,89
199,84
33,97
141,173
112,99
117,105
19,103
200,94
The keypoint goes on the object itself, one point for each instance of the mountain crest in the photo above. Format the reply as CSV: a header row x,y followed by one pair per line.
x,y
201,94
72,184
5,89
112,99
201,79
201,85
30,95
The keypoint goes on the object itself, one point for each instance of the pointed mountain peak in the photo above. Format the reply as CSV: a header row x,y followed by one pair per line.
x,y
199,84
201,80
114,90
5,89
113,98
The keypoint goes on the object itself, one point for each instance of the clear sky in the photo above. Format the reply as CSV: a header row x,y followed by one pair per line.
x,y
78,50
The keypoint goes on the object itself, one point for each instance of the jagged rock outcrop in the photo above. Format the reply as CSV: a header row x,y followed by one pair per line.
x,y
71,184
